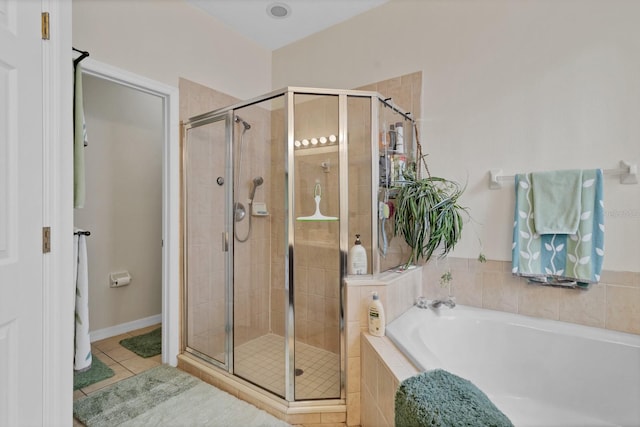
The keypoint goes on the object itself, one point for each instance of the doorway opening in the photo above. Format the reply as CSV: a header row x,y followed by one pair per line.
x,y
161,164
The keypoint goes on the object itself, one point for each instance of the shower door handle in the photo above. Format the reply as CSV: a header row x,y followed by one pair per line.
x,y
225,241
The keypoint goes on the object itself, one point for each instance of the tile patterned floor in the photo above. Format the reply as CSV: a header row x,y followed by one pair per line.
x,y
261,362
124,363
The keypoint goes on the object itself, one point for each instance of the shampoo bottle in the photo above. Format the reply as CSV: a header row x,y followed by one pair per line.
x,y
357,258
376,317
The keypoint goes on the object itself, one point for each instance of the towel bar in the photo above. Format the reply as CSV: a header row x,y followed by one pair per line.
x,y
627,172
565,284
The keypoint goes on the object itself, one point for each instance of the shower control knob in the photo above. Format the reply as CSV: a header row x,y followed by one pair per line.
x,y
220,180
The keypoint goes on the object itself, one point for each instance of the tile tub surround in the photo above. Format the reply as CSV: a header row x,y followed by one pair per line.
x,y
614,303
397,292
384,367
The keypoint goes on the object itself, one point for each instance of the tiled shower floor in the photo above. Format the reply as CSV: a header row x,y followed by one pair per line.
x,y
261,361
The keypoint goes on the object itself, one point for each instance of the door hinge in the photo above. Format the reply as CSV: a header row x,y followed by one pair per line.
x,y
45,25
46,240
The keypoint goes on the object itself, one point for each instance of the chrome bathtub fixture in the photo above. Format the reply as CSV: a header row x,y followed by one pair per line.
x,y
449,302
422,302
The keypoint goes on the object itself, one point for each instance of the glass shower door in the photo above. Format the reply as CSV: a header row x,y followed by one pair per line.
x,y
317,248
258,246
206,180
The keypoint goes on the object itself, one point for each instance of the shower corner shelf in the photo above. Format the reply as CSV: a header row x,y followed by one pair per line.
x,y
259,209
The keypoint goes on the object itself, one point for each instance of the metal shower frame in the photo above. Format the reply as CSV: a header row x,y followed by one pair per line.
x,y
227,114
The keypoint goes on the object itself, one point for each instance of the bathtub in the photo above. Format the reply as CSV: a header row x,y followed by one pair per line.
x,y
538,372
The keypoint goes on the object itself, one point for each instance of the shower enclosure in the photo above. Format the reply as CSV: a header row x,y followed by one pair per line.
x,y
274,191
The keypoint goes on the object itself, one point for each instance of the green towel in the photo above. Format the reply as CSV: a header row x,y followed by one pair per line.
x,y
79,139
441,399
556,201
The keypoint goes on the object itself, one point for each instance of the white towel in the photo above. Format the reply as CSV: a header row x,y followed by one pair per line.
x,y
82,354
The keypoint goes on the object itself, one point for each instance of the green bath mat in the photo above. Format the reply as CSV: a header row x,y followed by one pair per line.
x,y
145,345
166,396
97,372
441,399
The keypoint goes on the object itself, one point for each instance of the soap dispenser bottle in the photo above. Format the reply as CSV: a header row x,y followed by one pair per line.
x,y
376,316
357,258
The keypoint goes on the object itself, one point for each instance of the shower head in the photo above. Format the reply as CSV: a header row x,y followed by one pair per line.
x,y
257,181
246,125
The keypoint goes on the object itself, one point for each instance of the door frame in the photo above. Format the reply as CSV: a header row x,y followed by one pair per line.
x,y
170,194
57,279
226,118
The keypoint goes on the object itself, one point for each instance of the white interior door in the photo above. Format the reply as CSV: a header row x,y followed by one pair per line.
x,y
21,214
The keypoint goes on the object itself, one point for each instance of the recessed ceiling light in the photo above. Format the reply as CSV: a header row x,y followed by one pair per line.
x,y
278,10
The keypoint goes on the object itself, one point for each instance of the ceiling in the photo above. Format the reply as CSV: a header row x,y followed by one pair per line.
x,y
304,17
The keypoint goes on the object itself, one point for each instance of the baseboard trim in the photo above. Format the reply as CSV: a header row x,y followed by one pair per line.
x,y
123,328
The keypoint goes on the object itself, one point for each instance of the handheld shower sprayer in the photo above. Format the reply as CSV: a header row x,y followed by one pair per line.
x,y
239,209
257,181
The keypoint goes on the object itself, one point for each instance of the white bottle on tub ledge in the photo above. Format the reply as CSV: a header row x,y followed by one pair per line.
x,y
357,258
376,316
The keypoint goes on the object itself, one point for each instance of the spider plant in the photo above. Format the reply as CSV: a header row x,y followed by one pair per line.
x,y
428,215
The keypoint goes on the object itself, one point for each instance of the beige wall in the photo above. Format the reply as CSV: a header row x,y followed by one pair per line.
x,y
166,40
518,85
123,209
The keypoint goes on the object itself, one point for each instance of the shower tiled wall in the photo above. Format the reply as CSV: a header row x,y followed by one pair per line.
x,y
251,314
614,303
205,300
252,263
317,269
316,255
206,296
406,92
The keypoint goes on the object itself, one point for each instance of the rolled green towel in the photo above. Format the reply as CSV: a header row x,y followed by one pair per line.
x,y
441,399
